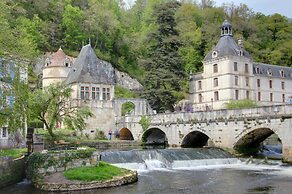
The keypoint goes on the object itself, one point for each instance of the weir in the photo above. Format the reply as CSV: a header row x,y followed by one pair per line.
x,y
168,158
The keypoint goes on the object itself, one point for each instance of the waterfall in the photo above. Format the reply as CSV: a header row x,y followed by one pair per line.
x,y
168,158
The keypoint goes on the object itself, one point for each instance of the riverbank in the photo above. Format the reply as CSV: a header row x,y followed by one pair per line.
x,y
57,182
46,171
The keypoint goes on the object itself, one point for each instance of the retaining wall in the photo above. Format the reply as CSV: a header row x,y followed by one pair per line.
x,y
11,171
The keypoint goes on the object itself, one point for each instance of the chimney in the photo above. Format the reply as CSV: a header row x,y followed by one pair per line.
x,y
240,42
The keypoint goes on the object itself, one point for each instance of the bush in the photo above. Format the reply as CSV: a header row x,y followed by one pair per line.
x,y
144,122
121,92
127,108
240,104
100,134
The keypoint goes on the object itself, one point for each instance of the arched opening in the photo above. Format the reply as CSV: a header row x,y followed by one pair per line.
x,y
195,139
127,108
261,141
154,136
125,134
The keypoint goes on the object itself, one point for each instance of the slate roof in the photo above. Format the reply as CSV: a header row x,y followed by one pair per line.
x,y
272,70
226,24
226,46
87,68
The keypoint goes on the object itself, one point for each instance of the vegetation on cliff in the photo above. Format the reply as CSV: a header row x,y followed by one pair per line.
x,y
156,41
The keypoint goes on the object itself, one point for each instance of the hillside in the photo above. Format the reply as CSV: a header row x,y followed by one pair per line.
x,y
129,38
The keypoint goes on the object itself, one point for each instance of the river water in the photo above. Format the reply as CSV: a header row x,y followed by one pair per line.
x,y
175,171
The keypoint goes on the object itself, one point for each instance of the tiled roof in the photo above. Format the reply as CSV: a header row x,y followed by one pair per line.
x,y
57,58
87,68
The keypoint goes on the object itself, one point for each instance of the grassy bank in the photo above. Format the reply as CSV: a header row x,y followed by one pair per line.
x,y
14,153
103,171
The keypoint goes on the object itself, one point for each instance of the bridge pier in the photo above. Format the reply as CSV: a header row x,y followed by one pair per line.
x,y
287,154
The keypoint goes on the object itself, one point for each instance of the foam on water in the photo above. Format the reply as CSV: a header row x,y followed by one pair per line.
x,y
191,159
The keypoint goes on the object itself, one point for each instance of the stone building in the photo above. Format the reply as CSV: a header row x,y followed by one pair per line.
x,y
93,82
231,74
57,66
8,69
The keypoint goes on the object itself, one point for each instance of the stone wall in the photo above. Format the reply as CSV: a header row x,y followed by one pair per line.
x,y
11,171
40,164
131,177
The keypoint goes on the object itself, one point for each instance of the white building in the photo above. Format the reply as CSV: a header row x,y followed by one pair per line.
x,y
8,68
231,74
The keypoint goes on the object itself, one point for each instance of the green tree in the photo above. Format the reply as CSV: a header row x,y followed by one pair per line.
x,y
14,95
189,20
52,106
164,67
72,20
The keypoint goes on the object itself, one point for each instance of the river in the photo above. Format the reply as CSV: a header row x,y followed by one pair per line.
x,y
167,172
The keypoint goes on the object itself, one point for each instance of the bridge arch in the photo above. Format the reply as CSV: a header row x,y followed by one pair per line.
x,y
195,139
153,136
125,134
250,141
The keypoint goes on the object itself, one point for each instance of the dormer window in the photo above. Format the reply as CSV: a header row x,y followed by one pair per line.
x,y
214,54
257,70
269,72
282,73
240,53
48,62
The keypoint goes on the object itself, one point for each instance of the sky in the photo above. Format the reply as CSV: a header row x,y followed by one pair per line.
x,y
267,7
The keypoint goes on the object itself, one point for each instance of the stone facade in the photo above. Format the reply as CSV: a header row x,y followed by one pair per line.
x,y
226,129
231,74
93,82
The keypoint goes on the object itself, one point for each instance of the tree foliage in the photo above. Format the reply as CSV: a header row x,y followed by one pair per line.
x,y
137,39
52,106
164,65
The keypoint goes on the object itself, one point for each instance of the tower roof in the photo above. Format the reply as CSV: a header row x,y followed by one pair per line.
x,y
87,68
226,45
226,24
57,58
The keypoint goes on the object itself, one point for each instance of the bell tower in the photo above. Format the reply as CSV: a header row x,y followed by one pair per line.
x,y
226,29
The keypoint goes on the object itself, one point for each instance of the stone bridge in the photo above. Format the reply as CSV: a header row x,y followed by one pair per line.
x,y
236,129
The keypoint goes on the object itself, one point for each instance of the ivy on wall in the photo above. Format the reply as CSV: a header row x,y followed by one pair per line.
x,y
53,159
145,122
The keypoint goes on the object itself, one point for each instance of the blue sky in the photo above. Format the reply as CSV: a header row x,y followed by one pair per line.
x,y
267,7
